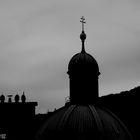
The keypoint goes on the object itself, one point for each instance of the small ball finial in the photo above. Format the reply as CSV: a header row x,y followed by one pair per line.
x,y
17,98
2,98
23,98
83,36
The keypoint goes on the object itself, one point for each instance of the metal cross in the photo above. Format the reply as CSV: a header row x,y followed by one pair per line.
x,y
83,22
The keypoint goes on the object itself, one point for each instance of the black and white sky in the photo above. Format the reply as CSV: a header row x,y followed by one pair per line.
x,y
39,37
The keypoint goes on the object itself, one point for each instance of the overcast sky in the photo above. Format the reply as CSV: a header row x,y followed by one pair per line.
x,y
39,37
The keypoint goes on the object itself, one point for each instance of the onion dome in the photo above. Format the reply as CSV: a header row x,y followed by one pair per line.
x,y
77,122
82,62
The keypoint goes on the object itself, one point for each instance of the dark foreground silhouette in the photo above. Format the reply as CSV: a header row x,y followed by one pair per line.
x,y
18,120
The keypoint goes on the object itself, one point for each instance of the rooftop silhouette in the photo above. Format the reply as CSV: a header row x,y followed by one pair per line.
x,y
16,118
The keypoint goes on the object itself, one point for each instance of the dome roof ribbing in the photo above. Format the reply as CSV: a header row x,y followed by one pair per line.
x,y
77,122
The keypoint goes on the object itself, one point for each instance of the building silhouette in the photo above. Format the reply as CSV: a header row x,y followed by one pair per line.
x,y
16,118
126,106
83,117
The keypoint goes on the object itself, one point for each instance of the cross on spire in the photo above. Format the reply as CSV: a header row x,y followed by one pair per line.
x,y
83,22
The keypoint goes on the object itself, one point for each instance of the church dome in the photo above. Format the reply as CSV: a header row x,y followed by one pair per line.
x,y
77,122
81,62
82,118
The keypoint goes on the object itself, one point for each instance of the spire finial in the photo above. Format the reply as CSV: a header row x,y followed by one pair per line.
x,y
83,35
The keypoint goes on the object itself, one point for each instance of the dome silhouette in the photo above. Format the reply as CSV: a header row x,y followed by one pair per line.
x,y
83,62
83,118
77,122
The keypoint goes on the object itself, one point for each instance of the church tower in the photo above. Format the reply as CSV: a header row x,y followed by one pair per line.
x,y
83,72
82,118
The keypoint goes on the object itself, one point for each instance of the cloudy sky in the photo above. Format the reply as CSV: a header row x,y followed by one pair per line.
x,y
39,37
